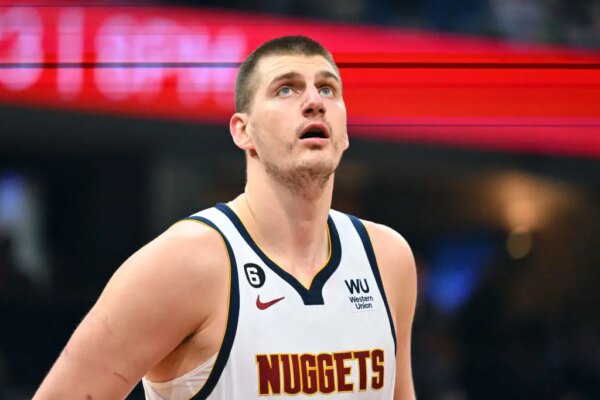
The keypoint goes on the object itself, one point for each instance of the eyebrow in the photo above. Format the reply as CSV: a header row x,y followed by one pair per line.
x,y
328,74
284,77
293,74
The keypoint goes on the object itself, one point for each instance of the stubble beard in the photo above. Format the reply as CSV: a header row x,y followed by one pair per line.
x,y
305,178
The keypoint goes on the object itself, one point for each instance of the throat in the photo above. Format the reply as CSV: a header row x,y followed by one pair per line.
x,y
304,261
305,273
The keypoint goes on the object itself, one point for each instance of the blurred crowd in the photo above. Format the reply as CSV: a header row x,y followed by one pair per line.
x,y
567,22
491,349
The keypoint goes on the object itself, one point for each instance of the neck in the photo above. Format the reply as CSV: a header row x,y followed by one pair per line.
x,y
290,226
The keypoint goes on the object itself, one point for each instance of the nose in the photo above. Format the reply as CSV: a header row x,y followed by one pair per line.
x,y
313,105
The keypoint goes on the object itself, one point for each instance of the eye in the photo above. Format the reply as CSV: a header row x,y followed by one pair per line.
x,y
284,91
326,91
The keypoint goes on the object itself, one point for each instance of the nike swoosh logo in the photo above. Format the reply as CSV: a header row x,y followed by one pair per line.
x,y
267,304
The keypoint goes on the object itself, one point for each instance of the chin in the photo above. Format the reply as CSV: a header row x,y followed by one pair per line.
x,y
319,169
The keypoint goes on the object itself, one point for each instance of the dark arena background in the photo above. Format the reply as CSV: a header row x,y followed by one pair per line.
x,y
475,132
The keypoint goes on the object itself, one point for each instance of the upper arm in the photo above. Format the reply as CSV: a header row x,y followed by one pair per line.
x,y
398,272
144,312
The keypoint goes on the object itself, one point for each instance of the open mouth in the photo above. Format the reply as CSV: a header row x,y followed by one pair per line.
x,y
314,133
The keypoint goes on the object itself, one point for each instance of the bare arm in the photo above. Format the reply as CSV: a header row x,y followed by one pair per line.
x,y
145,311
397,267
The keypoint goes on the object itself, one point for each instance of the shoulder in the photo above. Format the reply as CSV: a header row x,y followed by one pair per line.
x,y
392,251
185,251
162,283
166,275
390,247
185,244
189,238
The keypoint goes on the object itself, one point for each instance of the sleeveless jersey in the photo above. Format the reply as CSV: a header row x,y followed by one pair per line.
x,y
283,340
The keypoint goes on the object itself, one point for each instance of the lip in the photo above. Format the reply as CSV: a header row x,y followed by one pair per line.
x,y
315,125
314,142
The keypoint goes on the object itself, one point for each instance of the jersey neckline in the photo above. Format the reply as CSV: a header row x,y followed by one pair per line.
x,y
312,295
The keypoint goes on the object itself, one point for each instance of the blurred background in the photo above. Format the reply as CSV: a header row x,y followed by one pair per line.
x,y
475,132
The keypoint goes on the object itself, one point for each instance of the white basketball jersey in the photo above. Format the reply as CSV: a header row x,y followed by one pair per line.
x,y
335,339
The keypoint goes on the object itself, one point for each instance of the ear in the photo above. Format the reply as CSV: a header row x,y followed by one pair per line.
x,y
237,127
346,140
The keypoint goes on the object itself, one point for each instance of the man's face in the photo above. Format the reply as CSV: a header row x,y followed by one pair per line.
x,y
297,121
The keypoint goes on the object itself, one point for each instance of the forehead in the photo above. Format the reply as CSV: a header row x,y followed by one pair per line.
x,y
273,66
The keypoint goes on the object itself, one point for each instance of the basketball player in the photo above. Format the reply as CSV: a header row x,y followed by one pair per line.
x,y
271,295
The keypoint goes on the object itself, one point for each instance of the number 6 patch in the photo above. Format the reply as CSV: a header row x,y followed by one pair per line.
x,y
255,275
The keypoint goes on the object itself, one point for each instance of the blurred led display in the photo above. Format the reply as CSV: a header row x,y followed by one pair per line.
x,y
404,85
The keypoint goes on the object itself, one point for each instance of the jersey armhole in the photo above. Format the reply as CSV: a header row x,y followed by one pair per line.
x,y
368,246
233,311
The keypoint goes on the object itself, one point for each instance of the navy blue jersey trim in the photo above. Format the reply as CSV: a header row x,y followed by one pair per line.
x,y
366,240
232,319
313,295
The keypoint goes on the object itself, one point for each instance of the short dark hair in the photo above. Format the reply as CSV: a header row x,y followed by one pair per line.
x,y
297,45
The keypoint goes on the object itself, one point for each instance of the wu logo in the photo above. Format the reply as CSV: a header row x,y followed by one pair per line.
x,y
357,285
